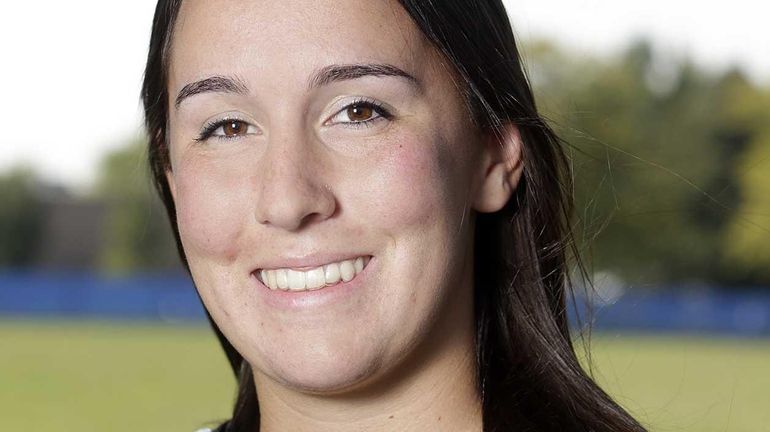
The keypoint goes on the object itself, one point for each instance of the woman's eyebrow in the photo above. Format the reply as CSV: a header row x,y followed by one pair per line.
x,y
325,76
217,83
334,73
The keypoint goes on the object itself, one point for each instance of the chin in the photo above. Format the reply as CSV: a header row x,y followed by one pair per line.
x,y
325,372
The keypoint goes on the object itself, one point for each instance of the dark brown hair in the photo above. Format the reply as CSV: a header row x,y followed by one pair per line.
x,y
528,373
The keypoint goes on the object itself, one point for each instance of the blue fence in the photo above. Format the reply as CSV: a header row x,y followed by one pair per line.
x,y
173,298
169,297
680,309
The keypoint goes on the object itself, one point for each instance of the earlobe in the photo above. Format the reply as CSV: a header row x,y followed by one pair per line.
x,y
503,168
171,183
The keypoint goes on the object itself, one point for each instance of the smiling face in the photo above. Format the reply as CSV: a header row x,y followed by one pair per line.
x,y
324,170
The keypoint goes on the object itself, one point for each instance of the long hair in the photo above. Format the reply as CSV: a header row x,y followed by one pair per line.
x,y
529,376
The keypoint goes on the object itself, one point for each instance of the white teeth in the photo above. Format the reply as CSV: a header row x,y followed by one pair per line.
x,y
280,278
314,279
296,280
347,270
330,274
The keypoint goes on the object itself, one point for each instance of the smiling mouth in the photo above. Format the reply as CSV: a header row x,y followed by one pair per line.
x,y
286,279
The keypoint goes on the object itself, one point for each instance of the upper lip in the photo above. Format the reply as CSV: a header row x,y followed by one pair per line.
x,y
308,262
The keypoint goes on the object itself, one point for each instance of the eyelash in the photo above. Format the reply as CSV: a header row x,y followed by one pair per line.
x,y
211,127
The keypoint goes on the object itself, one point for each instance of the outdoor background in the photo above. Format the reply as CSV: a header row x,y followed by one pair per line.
x,y
665,111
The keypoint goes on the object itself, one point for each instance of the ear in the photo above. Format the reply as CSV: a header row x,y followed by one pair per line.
x,y
171,183
502,168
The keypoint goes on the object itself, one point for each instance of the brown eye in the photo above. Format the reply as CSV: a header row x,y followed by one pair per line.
x,y
359,113
227,129
234,128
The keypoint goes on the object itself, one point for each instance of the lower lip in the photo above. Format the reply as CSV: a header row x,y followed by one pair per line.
x,y
299,300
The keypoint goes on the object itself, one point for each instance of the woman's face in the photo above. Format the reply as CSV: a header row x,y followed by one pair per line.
x,y
324,170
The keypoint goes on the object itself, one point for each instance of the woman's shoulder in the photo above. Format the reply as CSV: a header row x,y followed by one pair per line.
x,y
205,430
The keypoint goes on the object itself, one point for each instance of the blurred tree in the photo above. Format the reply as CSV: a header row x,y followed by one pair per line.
x,y
747,239
654,144
137,233
21,218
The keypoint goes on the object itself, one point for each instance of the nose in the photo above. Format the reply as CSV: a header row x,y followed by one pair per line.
x,y
291,190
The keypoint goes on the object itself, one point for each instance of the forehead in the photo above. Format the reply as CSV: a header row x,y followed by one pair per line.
x,y
286,39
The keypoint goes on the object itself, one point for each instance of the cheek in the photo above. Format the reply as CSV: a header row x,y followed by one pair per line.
x,y
413,184
212,207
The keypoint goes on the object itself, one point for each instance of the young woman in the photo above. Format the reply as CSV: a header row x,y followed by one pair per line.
x,y
373,213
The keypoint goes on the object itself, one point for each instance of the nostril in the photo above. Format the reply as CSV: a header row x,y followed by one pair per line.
x,y
298,207
315,218
291,189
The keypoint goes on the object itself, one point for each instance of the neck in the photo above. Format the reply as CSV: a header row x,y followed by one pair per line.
x,y
434,390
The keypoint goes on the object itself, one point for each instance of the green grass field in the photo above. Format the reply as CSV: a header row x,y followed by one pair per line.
x,y
74,376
